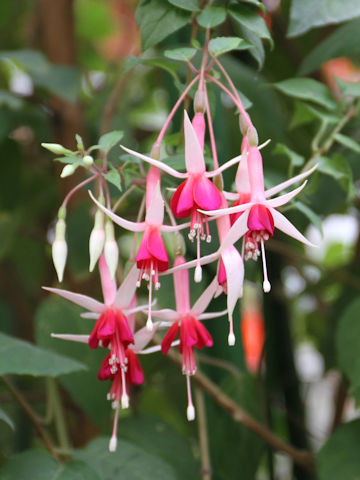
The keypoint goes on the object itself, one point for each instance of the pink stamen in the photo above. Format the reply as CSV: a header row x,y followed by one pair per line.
x,y
266,283
190,411
149,323
113,439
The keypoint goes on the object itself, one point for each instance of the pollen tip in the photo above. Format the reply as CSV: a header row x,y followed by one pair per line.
x,y
112,444
124,401
198,274
149,324
266,286
231,339
190,413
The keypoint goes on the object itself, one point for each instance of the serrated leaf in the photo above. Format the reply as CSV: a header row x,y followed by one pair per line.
x,y
339,457
114,177
307,14
22,358
180,54
349,89
211,17
347,142
250,20
158,19
43,466
191,5
339,44
310,214
129,462
5,418
220,45
109,140
307,89
296,160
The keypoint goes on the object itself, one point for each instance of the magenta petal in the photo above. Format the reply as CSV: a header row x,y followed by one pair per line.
x,y
188,333
157,248
143,253
204,337
260,218
135,373
184,201
125,333
104,372
107,326
169,338
206,195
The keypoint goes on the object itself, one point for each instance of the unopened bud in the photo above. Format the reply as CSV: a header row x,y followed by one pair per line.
x,y
156,151
68,170
199,102
111,249
97,239
59,249
243,125
88,160
56,148
253,137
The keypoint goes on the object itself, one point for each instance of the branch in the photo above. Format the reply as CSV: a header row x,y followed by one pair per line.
x,y
203,435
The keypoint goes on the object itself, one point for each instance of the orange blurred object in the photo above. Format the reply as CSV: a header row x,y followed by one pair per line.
x,y
253,335
341,68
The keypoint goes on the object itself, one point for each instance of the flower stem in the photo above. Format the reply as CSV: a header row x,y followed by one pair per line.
x,y
77,187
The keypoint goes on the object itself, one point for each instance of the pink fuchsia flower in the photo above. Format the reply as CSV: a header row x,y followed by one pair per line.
x,y
197,191
187,320
259,216
151,257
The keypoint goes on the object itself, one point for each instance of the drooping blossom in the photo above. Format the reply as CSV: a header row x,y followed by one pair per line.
x,y
196,191
151,257
187,321
259,216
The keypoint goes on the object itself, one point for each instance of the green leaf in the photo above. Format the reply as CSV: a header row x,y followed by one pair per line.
x,y
128,462
340,43
257,50
22,358
157,20
181,54
5,418
191,5
114,177
220,45
79,142
256,3
61,80
347,142
211,17
11,101
43,466
338,168
67,159
158,62
29,60
310,214
109,140
349,89
296,160
307,14
348,345
339,457
307,89
250,20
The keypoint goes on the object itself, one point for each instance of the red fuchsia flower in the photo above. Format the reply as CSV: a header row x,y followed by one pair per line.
x,y
151,257
187,321
197,191
112,328
259,216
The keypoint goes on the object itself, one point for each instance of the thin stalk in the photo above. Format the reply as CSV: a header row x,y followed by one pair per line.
x,y
211,131
203,434
77,187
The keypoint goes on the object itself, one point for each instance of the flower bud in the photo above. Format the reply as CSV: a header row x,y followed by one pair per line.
x,y
68,170
88,160
59,248
97,238
243,125
56,148
199,102
253,137
111,249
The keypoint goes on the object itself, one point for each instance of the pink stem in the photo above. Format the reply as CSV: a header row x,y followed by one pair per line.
x,y
234,99
174,109
211,131
77,187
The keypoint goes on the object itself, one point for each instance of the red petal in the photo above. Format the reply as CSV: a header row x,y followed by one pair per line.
x,y
169,337
204,337
157,249
125,333
183,199
134,373
206,195
143,253
188,333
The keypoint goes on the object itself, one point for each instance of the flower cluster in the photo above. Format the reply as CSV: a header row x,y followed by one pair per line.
x,y
251,217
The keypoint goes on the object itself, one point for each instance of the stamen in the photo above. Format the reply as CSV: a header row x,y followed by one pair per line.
x,y
124,396
113,439
198,270
231,337
149,323
190,411
266,283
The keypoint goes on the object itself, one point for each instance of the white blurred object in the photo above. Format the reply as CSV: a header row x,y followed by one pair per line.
x,y
309,363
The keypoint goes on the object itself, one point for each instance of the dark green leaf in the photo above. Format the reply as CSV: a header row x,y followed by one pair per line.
x,y
11,101
4,417
339,458
211,17
251,20
220,45
62,80
347,142
129,462
67,159
338,168
307,89
257,50
32,61
256,3
307,14
23,358
296,160
157,20
191,5
131,62
340,43
42,466
181,54
109,140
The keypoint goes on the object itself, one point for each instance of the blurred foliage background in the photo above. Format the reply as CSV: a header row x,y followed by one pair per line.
x,y
67,67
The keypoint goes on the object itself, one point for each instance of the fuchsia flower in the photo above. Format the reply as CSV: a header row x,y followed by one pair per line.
x,y
259,215
151,257
197,191
188,321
